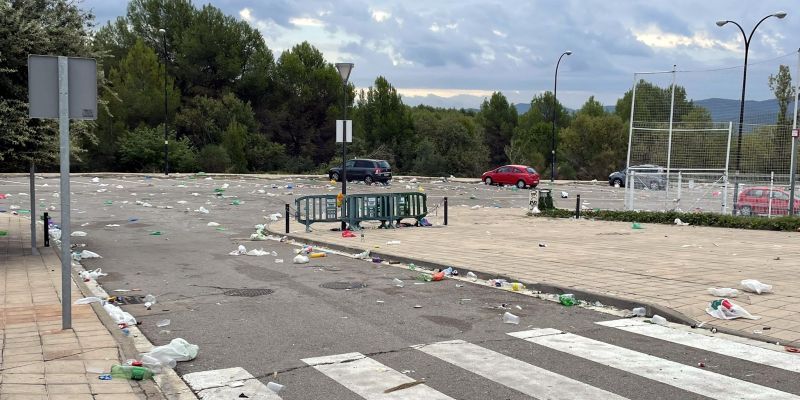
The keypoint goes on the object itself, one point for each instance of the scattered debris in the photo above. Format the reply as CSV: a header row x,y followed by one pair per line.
x,y
752,285
241,250
659,320
78,234
567,299
398,282
510,318
542,245
300,259
403,386
639,311
163,323
723,292
725,309
564,194
212,224
636,225
680,223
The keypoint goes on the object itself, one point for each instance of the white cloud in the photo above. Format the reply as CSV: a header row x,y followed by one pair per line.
x,y
305,21
246,14
499,33
654,37
435,27
379,15
439,28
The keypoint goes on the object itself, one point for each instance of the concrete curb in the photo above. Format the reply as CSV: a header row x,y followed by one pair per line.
x,y
544,287
165,386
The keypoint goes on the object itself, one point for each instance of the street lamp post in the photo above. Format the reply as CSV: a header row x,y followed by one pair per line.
x,y
166,140
555,114
344,72
779,15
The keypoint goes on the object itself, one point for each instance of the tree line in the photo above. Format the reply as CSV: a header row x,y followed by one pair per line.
x,y
233,106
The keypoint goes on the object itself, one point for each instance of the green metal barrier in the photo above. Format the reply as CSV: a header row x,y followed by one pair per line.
x,y
318,208
388,208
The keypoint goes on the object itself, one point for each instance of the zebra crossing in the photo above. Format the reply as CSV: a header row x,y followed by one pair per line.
x,y
370,379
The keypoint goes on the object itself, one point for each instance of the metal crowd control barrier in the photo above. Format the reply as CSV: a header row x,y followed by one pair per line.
x,y
318,208
388,208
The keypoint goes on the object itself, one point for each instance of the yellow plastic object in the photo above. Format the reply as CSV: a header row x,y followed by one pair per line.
x,y
316,255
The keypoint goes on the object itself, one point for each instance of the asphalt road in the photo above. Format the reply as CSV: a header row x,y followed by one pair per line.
x,y
190,271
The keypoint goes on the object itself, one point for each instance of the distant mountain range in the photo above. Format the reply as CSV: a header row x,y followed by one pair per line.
x,y
721,110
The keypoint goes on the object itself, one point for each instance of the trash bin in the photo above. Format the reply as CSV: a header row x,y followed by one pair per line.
x,y
545,199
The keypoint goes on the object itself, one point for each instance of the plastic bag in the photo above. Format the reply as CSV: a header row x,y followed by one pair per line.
x,y
363,256
92,274
89,254
300,259
752,285
259,252
212,224
118,315
168,355
680,223
723,292
725,309
88,300
78,234
241,250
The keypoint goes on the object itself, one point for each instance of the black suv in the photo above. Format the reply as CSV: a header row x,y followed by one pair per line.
x,y
366,170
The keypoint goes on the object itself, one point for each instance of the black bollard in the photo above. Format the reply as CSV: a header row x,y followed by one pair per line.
x,y
578,207
445,210
46,219
287,218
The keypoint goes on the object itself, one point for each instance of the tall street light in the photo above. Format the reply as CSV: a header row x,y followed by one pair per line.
x,y
779,15
163,33
344,73
555,113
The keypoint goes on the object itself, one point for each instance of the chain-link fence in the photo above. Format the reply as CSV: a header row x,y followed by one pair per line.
x,y
695,155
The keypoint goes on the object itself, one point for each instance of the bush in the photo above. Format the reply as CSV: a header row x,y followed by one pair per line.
x,y
143,150
785,223
214,158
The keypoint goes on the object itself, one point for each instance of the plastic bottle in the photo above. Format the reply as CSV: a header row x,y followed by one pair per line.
x,y
639,311
275,387
659,320
472,276
131,372
567,299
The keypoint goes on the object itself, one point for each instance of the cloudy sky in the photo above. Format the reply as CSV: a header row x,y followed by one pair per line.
x,y
454,53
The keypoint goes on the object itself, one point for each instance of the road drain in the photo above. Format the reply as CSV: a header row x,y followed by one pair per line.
x,y
343,285
248,292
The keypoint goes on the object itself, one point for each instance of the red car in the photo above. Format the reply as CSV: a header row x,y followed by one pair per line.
x,y
520,175
755,201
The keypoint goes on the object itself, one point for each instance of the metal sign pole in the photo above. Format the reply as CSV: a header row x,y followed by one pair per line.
x,y
63,130
792,173
34,251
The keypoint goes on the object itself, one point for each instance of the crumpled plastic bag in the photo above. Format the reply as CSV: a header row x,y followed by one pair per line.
x,y
239,251
212,224
725,309
93,275
300,259
89,254
723,292
168,355
257,237
752,285
258,253
78,234
680,223
363,256
89,300
118,315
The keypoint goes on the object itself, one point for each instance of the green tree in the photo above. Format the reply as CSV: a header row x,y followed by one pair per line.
x,y
214,158
36,27
594,144
382,119
532,140
498,119
235,143
781,86
142,150
653,103
593,108
204,119
306,103
452,143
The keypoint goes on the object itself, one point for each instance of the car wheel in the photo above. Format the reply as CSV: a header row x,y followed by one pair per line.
x,y
654,185
335,176
533,187
746,211
488,181
617,182
521,184
368,180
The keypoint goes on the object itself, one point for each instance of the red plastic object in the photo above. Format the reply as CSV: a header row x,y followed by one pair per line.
x,y
727,304
438,276
348,234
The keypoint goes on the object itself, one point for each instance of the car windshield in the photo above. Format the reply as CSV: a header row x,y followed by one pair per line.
x,y
530,170
383,164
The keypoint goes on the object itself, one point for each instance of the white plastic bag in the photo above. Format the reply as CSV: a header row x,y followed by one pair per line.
x,y
89,254
78,234
259,252
723,292
118,315
88,300
212,224
92,274
300,259
167,356
725,309
680,223
752,285
363,256
241,250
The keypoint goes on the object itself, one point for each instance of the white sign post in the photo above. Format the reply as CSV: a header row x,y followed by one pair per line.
x,y
50,79
344,130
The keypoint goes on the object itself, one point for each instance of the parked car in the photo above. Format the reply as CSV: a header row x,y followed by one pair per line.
x,y
520,175
361,169
755,201
651,176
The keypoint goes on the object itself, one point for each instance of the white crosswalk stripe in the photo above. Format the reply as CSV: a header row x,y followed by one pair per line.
x,y
675,374
369,378
513,373
789,362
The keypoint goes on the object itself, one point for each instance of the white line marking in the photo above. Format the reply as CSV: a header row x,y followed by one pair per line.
x,y
717,345
228,383
513,373
369,378
675,374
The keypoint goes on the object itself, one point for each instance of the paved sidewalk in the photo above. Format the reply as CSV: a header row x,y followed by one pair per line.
x,y
39,359
672,266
